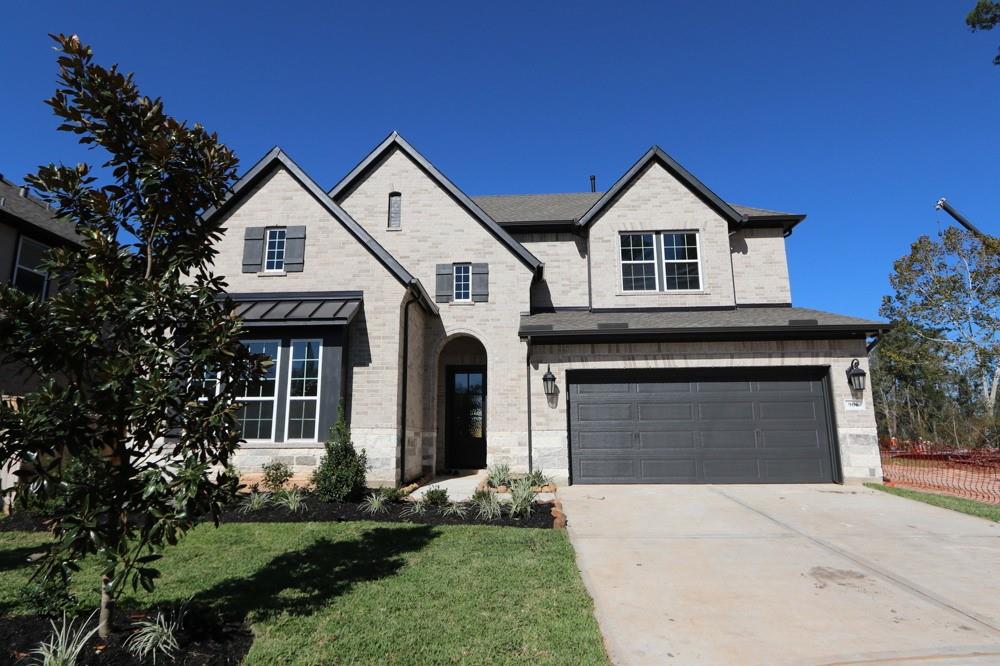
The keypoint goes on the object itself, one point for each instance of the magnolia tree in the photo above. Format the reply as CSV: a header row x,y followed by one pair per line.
x,y
138,355
949,290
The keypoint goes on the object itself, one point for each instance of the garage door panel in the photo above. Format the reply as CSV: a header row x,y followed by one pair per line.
x,y
644,427
668,440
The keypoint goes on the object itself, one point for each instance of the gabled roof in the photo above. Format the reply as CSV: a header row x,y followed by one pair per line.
x,y
394,140
550,211
276,158
33,216
656,154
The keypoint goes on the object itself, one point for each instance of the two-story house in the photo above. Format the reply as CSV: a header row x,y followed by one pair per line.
x,y
642,334
28,229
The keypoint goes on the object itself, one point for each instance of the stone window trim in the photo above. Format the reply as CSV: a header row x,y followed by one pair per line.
x,y
659,261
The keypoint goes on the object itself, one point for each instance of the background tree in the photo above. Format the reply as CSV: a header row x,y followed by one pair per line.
x,y
139,360
984,16
947,294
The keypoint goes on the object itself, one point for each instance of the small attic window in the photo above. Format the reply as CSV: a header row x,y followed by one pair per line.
x,y
395,210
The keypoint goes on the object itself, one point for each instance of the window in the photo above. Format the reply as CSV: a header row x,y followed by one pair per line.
x,y
208,384
274,250
256,416
395,210
638,254
677,254
463,282
303,389
29,276
681,270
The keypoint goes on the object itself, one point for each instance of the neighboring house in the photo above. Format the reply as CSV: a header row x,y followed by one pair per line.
x,y
28,229
642,334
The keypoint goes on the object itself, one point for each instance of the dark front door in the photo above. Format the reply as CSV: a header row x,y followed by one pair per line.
x,y
701,426
465,413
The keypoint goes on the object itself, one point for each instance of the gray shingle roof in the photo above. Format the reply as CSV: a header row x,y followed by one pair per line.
x,y
568,207
33,214
688,322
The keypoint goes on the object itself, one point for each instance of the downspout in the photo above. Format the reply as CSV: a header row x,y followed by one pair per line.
x,y
403,383
528,386
732,268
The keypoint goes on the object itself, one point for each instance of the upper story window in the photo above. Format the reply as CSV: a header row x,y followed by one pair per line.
x,y
29,276
463,283
274,249
638,253
395,210
660,261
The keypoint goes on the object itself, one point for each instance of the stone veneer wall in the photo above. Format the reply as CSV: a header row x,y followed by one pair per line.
x,y
856,433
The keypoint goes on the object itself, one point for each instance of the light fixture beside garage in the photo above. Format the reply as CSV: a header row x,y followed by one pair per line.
x,y
856,376
549,382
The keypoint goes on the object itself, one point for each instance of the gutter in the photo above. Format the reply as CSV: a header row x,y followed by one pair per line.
x,y
727,333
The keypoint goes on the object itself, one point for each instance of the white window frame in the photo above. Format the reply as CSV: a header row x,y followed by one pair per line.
x,y
277,389
18,267
288,389
267,243
697,260
454,283
653,261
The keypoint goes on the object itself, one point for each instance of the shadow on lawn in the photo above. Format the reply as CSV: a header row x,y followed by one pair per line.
x,y
304,581
16,558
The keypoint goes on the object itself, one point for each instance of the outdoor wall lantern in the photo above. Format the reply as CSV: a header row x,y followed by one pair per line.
x,y
856,376
549,382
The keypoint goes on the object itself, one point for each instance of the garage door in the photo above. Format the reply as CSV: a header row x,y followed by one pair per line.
x,y
705,426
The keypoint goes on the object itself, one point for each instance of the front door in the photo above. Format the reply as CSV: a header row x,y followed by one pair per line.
x,y
465,414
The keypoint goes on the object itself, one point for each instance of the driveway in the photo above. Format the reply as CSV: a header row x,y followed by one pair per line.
x,y
816,574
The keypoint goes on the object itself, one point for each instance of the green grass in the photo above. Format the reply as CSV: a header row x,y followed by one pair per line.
x,y
971,507
326,593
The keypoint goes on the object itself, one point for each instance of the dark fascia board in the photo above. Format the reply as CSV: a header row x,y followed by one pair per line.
x,y
276,158
784,222
811,332
544,226
696,186
395,140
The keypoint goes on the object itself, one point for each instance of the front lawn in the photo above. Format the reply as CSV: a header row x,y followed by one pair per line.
x,y
971,507
363,592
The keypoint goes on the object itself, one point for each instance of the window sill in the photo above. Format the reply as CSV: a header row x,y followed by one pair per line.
x,y
265,274
462,303
393,229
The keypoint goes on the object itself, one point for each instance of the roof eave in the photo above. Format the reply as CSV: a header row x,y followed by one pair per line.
x,y
707,333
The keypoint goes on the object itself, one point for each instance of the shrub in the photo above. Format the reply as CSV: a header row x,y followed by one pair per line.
x,y
455,510
486,505
522,498
292,499
66,642
254,502
436,496
50,596
390,493
414,508
276,474
498,475
340,475
157,636
537,478
375,503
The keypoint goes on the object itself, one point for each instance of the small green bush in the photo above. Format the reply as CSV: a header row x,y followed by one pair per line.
x,y
436,496
157,637
498,475
340,476
486,504
276,475
375,504
522,498
292,499
390,493
414,508
50,596
254,501
65,643
455,510
537,478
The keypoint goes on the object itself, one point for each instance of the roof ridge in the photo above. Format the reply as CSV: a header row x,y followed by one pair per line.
x,y
534,194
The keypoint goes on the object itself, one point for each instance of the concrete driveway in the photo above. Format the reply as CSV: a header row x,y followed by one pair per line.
x,y
785,575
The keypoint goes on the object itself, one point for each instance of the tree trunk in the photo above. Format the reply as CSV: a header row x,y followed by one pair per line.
x,y
107,604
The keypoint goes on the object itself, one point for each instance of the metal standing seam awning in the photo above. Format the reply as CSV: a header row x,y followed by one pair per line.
x,y
332,308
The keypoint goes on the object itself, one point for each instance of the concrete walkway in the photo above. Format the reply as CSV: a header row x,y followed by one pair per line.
x,y
459,486
785,575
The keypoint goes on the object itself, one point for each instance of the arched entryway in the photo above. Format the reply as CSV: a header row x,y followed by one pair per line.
x,y
462,396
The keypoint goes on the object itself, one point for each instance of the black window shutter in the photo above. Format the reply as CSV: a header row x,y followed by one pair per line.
x,y
295,249
253,249
443,285
480,283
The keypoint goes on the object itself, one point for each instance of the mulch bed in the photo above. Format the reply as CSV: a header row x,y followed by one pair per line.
x,y
203,642
329,512
318,511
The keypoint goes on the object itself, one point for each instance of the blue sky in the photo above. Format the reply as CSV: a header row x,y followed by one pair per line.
x,y
860,114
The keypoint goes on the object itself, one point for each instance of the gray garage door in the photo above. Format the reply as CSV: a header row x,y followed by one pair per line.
x,y
706,426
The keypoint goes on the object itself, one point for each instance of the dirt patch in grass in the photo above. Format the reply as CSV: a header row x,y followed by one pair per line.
x,y
203,642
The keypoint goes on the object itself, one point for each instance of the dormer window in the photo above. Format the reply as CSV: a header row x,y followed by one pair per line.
x,y
665,261
395,210
274,258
